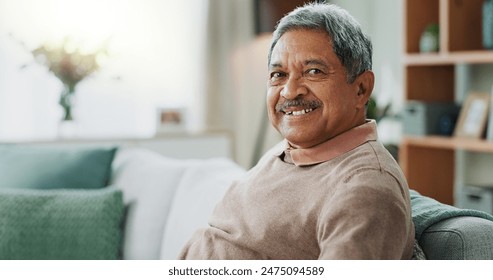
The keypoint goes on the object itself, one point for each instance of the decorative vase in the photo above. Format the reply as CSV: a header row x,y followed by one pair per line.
x,y
67,101
67,127
429,41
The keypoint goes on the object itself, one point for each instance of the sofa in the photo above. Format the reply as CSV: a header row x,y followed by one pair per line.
x,y
152,204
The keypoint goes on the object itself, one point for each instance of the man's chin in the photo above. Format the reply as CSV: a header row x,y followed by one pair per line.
x,y
298,142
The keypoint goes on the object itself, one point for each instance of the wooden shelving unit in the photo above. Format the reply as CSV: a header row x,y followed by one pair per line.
x,y
429,162
441,142
473,57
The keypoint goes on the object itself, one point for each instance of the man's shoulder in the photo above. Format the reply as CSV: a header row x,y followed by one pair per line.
x,y
371,154
371,158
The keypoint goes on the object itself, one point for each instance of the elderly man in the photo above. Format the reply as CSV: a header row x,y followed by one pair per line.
x,y
329,190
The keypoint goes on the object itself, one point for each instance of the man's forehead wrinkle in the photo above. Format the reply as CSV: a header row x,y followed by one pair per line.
x,y
315,61
306,62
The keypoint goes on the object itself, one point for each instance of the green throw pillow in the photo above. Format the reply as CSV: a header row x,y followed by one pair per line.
x,y
60,224
41,167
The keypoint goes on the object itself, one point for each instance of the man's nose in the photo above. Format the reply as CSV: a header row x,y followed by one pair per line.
x,y
293,88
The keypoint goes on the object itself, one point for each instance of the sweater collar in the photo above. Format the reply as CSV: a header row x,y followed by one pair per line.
x,y
329,149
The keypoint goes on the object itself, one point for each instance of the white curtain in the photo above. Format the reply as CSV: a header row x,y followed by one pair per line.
x,y
236,75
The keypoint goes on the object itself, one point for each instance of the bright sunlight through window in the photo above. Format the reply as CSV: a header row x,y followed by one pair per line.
x,y
154,59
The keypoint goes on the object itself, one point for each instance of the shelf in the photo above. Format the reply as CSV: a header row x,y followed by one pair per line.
x,y
470,57
429,162
441,142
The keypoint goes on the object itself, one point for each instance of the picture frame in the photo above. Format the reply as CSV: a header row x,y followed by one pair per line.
x,y
473,116
171,120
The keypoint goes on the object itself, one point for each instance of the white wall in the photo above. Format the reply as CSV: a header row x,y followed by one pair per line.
x,y
383,21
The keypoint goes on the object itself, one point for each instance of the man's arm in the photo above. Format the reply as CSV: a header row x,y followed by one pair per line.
x,y
368,218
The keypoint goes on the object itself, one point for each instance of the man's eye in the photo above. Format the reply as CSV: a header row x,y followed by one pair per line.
x,y
314,71
277,75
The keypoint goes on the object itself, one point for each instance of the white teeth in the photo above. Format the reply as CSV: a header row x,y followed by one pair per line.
x,y
301,112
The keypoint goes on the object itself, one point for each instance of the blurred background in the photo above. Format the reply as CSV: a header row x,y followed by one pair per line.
x,y
154,69
204,58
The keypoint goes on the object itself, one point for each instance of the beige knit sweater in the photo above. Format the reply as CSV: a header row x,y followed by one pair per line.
x,y
343,199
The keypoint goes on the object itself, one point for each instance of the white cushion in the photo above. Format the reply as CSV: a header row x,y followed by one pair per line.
x,y
201,187
148,181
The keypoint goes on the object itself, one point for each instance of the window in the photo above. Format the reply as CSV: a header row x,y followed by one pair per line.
x,y
155,59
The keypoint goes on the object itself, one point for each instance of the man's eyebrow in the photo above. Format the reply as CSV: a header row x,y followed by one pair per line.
x,y
307,62
315,62
275,65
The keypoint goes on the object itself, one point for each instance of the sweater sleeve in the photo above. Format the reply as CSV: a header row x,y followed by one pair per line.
x,y
367,218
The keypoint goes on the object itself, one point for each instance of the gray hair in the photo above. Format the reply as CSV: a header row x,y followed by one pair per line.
x,y
349,43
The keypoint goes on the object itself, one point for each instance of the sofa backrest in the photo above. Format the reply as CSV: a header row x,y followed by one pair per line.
x,y
167,199
202,186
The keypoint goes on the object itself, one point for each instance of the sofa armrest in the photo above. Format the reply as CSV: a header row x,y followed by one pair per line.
x,y
459,238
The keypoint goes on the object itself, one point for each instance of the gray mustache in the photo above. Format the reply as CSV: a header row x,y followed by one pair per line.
x,y
297,103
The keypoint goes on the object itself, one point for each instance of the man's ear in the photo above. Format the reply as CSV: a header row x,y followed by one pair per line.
x,y
365,82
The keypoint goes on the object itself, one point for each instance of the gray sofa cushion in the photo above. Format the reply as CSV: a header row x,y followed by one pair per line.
x,y
460,238
445,232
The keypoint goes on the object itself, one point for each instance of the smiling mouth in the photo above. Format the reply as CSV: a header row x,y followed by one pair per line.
x,y
297,107
298,113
